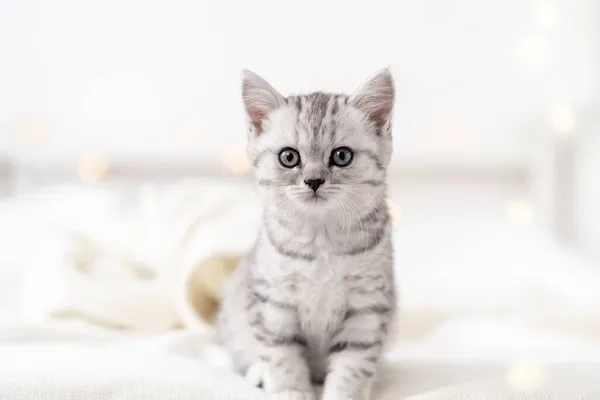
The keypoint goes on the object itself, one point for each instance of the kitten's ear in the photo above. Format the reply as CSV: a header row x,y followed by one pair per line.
x,y
260,98
376,97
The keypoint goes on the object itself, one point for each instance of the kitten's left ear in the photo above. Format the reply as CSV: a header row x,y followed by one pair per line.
x,y
376,97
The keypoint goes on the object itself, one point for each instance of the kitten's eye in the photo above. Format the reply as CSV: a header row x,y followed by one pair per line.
x,y
341,156
289,157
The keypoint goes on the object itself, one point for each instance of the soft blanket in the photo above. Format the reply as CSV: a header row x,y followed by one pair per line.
x,y
104,311
70,363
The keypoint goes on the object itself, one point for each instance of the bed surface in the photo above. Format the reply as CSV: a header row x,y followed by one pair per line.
x,y
496,310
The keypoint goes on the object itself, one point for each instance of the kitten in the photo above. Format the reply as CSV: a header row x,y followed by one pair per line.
x,y
315,298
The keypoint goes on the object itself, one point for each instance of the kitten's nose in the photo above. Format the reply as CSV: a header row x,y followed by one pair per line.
x,y
314,183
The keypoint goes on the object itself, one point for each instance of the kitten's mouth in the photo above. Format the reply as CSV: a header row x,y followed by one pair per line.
x,y
314,198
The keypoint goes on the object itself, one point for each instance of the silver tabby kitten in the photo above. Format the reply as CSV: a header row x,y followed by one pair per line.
x,y
314,300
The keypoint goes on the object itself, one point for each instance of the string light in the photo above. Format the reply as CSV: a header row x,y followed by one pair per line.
x,y
547,15
193,131
92,167
526,376
394,211
452,134
236,161
31,130
535,53
520,212
562,120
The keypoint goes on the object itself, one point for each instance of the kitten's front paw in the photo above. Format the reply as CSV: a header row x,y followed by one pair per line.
x,y
293,395
256,374
343,396
278,385
341,391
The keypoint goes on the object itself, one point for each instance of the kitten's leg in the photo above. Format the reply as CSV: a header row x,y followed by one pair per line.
x,y
280,348
354,354
351,375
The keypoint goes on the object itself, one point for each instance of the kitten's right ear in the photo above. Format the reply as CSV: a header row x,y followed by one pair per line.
x,y
260,98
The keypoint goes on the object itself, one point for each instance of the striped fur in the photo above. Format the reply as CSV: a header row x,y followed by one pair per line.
x,y
314,299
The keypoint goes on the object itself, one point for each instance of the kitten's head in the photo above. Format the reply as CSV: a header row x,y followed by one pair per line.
x,y
320,152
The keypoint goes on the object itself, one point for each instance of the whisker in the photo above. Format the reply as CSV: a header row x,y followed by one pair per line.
x,y
273,182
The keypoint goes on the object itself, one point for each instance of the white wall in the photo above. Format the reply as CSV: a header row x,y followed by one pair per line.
x,y
143,77
587,188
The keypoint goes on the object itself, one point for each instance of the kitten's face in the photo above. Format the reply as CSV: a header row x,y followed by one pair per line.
x,y
320,152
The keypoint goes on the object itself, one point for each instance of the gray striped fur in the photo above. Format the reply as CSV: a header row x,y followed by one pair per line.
x,y
314,299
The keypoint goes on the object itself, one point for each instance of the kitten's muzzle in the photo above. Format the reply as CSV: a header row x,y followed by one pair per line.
x,y
314,183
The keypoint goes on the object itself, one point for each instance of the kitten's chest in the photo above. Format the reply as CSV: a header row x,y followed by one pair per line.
x,y
320,291
322,298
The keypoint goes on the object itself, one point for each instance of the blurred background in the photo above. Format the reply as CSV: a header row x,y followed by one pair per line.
x,y
495,179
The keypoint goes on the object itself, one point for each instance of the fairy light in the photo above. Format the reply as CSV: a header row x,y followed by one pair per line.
x,y
92,167
520,212
394,211
547,15
31,130
562,120
452,135
192,131
535,53
236,161
526,376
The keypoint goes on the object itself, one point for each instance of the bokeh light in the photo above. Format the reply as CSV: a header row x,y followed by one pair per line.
x,y
520,212
31,130
394,210
534,53
563,120
236,160
92,167
526,376
547,15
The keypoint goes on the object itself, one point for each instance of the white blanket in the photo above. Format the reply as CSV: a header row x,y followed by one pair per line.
x,y
58,363
120,267
130,269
